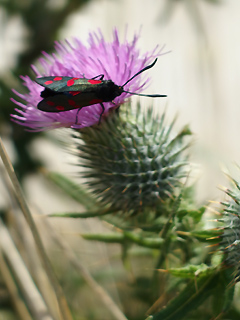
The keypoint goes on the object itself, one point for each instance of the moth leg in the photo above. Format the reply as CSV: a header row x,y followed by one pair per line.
x,y
103,109
100,75
116,105
76,121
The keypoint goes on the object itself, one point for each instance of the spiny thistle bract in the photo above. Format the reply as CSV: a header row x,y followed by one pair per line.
x,y
133,162
230,242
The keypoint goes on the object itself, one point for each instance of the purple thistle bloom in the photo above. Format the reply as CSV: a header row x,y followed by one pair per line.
x,y
116,61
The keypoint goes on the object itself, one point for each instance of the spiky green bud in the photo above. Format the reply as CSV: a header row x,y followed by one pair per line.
x,y
133,161
230,219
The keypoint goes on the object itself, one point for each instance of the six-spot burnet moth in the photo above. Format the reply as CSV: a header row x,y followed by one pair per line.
x,y
68,93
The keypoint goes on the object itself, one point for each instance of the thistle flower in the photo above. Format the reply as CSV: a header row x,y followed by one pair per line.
x,y
134,161
230,238
116,61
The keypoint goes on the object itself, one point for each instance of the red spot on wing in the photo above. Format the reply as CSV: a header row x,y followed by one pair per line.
x,y
92,81
48,82
60,108
72,103
57,78
71,82
74,93
94,101
50,103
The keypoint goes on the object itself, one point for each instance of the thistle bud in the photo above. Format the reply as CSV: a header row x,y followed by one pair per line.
x,y
133,162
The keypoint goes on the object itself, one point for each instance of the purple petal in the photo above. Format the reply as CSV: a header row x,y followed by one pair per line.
x,y
117,61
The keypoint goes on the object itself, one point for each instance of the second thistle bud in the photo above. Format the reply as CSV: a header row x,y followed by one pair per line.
x,y
230,220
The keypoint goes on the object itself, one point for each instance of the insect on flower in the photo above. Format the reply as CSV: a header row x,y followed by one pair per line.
x,y
68,93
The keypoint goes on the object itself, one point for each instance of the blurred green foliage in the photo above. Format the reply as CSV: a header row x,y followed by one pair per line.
x,y
183,276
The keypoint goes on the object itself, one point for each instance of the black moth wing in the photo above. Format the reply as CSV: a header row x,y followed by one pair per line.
x,y
50,83
63,84
67,101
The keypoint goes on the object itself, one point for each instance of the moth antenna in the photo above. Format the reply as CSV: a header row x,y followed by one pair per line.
x,y
144,69
147,95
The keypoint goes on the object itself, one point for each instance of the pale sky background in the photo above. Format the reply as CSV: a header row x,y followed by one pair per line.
x,y
200,75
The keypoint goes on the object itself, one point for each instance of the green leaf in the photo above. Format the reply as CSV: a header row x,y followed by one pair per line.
x,y
126,237
223,297
154,243
106,237
227,280
81,215
72,189
210,236
190,298
217,258
195,214
189,272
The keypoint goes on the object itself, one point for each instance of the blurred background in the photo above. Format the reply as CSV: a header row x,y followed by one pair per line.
x,y
200,75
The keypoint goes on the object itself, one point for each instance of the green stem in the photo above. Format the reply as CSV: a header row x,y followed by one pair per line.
x,y
166,244
65,312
